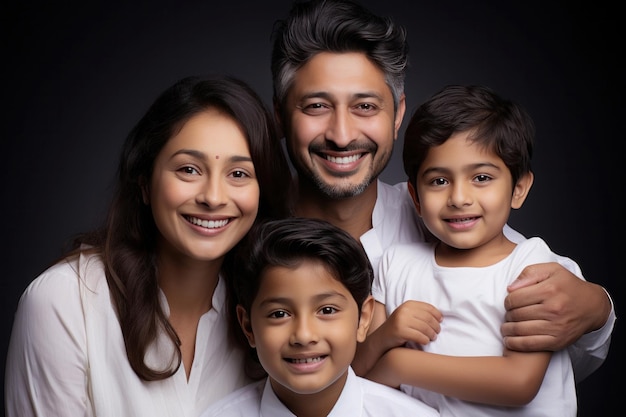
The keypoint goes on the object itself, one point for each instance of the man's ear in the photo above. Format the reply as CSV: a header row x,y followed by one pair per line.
x,y
278,118
521,190
399,116
413,193
244,321
367,314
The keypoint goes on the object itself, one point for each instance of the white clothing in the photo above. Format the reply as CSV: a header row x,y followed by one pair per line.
x,y
67,357
360,397
472,303
395,221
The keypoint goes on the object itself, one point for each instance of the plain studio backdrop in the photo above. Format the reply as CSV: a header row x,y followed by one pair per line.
x,y
77,77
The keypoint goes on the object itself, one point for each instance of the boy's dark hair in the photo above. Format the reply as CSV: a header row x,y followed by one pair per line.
x,y
288,242
495,123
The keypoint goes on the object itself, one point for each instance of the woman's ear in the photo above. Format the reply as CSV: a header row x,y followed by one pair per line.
x,y
367,314
413,193
145,192
521,190
244,322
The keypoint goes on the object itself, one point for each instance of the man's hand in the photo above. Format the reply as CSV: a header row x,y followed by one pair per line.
x,y
549,308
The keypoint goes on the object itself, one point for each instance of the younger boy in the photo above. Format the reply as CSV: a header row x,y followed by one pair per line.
x,y
304,302
467,155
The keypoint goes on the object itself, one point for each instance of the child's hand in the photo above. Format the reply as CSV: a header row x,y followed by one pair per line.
x,y
412,321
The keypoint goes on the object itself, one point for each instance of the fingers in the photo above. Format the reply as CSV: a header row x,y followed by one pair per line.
x,y
530,343
414,321
533,274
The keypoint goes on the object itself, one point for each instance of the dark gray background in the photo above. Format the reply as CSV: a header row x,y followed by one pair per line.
x,y
78,76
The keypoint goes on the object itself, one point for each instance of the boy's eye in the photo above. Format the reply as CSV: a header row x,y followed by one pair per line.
x,y
482,178
278,314
328,310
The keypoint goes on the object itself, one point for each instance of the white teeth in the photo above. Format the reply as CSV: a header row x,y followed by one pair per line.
x,y
307,360
343,159
209,224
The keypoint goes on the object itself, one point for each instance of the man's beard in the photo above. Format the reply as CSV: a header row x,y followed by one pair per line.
x,y
345,190
338,192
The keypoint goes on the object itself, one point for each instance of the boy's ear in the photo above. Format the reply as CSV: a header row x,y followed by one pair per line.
x,y
413,193
244,322
367,314
521,190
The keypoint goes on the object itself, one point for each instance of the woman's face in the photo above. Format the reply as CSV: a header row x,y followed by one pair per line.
x,y
204,192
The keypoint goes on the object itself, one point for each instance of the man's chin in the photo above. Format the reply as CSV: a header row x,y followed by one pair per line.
x,y
342,191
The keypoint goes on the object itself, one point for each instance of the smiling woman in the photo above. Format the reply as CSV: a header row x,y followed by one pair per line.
x,y
118,316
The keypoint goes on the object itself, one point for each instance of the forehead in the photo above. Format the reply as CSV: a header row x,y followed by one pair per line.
x,y
460,149
340,74
312,273
211,131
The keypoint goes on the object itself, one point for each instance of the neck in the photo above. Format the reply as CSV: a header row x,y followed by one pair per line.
x,y
188,284
318,404
352,214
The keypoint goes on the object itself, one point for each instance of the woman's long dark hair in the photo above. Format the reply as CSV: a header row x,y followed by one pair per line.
x,y
127,241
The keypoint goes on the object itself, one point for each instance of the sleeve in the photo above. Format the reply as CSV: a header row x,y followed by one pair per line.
x,y
590,350
379,283
46,369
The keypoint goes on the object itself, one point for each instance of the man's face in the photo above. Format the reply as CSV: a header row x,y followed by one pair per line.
x,y
339,123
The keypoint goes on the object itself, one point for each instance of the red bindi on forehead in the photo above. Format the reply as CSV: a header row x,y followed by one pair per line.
x,y
217,157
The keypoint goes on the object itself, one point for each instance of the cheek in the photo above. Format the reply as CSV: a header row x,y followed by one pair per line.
x,y
305,130
165,194
248,201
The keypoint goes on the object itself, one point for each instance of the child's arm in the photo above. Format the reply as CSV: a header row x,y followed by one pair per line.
x,y
413,321
509,380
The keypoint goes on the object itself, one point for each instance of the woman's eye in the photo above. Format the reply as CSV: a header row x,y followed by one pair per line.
x,y
239,174
190,170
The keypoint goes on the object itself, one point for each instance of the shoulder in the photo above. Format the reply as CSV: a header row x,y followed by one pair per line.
x,y
383,399
57,291
59,281
245,401
395,216
413,252
535,247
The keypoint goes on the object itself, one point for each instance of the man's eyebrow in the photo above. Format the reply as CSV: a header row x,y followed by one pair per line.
x,y
328,96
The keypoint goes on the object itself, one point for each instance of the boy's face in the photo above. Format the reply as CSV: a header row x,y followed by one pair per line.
x,y
465,193
339,122
305,326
